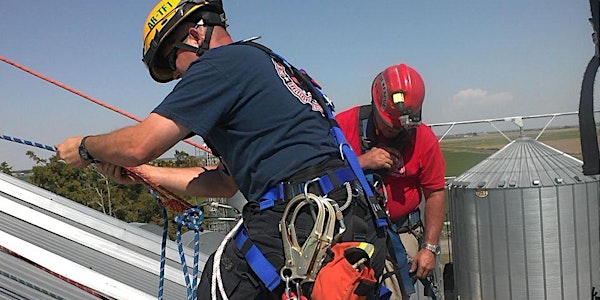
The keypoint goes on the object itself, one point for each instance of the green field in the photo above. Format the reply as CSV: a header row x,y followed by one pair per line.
x,y
458,162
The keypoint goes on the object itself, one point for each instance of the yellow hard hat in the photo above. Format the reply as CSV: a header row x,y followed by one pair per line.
x,y
160,30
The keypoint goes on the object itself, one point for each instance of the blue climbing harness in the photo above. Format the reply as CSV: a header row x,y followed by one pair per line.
x,y
327,182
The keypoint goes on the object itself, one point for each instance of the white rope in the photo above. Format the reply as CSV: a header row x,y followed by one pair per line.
x,y
216,274
348,196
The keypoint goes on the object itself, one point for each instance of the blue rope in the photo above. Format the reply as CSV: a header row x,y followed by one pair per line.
x,y
163,246
192,218
26,142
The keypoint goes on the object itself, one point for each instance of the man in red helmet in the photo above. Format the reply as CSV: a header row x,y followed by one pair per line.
x,y
404,156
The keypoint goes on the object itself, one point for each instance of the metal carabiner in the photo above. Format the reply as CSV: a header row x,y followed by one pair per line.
x,y
302,262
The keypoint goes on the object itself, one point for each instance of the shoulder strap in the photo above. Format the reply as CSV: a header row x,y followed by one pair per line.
x,y
366,127
346,151
366,131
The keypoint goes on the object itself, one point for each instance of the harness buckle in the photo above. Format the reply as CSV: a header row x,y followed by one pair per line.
x,y
329,102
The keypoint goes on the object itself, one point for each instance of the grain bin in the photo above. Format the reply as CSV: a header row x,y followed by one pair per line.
x,y
525,225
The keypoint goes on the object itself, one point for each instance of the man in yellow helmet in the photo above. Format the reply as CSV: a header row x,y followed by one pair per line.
x,y
262,122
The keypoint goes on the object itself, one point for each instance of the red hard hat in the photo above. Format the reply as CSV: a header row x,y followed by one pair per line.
x,y
398,93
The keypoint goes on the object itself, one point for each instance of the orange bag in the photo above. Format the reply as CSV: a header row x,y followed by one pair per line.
x,y
348,276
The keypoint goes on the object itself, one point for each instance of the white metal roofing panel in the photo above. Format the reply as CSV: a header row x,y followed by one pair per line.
x,y
22,280
68,269
111,248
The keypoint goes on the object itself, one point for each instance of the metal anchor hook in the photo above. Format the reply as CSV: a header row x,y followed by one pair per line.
x,y
302,262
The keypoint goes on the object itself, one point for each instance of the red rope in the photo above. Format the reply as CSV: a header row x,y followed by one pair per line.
x,y
167,197
74,91
170,199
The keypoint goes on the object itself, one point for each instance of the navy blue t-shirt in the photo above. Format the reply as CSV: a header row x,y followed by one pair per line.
x,y
247,107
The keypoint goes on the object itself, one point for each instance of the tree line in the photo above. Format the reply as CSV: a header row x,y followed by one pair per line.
x,y
129,203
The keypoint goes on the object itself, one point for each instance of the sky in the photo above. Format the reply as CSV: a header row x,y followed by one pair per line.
x,y
479,59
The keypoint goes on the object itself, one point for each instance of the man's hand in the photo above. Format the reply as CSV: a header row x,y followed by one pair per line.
x,y
68,151
423,263
117,174
380,158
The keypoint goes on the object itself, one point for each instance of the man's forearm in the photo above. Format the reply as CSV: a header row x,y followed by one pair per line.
x,y
191,181
135,145
117,147
435,213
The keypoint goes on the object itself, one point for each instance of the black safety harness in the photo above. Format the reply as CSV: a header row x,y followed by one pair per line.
x,y
587,123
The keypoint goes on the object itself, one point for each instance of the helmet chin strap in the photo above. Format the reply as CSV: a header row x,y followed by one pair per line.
x,y
206,43
198,50
210,20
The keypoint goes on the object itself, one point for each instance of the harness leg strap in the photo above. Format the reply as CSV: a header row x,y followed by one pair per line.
x,y
257,261
402,261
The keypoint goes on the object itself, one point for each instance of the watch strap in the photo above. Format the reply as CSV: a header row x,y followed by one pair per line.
x,y
83,152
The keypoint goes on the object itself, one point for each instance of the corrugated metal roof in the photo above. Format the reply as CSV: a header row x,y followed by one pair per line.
x,y
118,259
21,280
524,162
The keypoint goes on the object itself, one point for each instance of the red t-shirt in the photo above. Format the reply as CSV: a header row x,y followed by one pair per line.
x,y
424,165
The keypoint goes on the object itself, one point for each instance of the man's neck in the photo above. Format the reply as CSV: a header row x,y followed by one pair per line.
x,y
220,37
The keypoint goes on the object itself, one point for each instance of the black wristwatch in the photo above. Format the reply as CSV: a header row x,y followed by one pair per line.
x,y
84,153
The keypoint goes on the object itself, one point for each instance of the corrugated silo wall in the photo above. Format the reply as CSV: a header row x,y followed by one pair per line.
x,y
526,243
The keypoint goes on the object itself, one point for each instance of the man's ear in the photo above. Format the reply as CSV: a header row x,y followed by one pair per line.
x,y
197,33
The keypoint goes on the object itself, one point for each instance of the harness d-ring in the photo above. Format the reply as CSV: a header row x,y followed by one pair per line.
x,y
338,212
341,150
306,184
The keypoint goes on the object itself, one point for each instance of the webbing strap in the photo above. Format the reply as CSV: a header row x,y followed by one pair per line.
x,y
366,127
349,154
381,217
413,218
384,293
328,182
275,193
401,260
257,261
